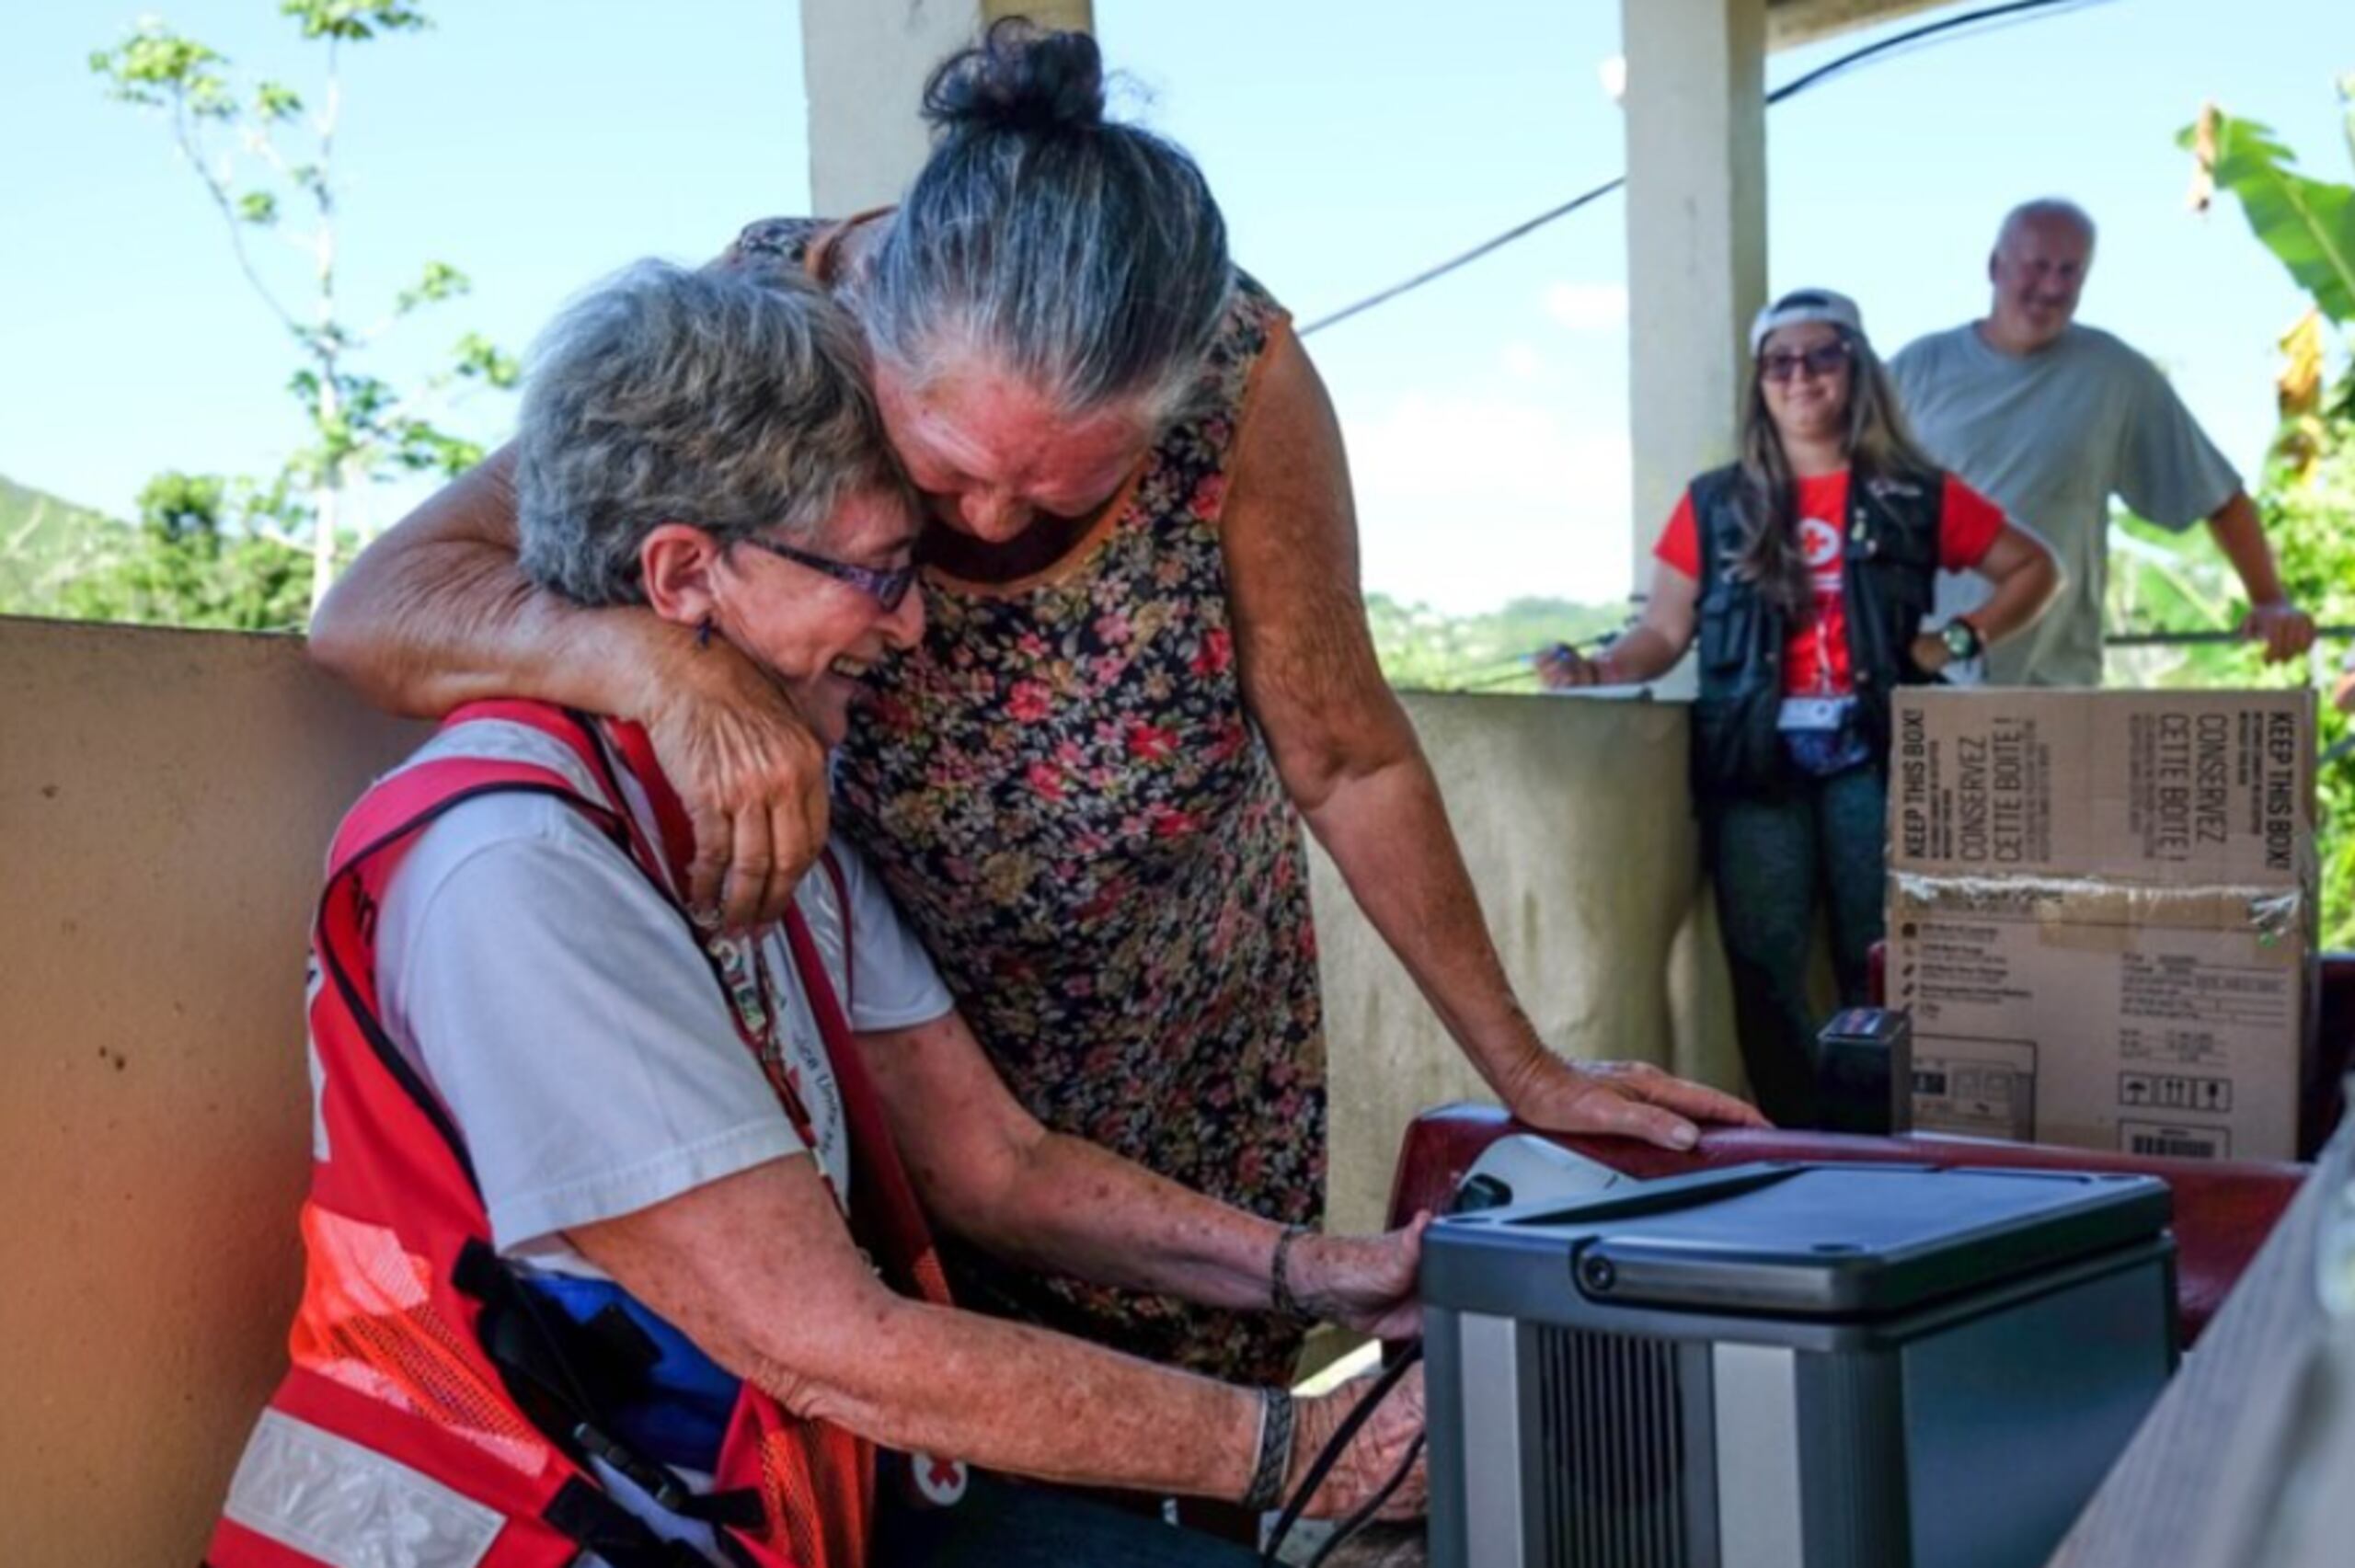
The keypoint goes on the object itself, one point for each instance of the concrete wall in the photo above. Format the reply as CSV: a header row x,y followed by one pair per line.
x,y
164,801
1572,813
865,63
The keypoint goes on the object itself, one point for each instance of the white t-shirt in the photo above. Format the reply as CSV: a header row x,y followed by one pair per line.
x,y
561,1010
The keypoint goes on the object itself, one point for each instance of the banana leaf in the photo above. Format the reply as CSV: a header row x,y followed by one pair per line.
x,y
2308,224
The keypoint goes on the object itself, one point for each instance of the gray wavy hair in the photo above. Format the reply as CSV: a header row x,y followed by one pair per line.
x,y
735,401
1084,255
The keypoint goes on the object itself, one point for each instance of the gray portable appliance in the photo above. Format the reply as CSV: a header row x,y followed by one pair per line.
x,y
1792,1366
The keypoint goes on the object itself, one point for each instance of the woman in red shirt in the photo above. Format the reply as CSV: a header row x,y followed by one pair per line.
x,y
1806,571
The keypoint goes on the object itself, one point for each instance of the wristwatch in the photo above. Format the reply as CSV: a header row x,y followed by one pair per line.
x,y
1962,639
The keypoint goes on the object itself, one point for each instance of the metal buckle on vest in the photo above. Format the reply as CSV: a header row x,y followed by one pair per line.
x,y
655,1481
590,1517
737,1509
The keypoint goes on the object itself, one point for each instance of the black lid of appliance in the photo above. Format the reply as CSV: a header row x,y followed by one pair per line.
x,y
1836,1241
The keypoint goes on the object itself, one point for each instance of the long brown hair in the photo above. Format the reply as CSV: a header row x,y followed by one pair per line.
x,y
1877,441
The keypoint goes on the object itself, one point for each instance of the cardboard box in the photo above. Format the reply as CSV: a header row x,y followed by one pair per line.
x,y
2101,914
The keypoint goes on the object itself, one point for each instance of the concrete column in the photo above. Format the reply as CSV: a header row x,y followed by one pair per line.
x,y
865,63
1696,237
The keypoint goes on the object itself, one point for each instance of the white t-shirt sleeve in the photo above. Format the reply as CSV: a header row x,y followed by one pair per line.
x,y
894,984
568,1021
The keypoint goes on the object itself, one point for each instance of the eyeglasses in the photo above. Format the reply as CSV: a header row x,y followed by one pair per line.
x,y
887,588
1819,361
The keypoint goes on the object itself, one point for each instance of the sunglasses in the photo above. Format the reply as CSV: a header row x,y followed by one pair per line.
x,y
887,588
1820,361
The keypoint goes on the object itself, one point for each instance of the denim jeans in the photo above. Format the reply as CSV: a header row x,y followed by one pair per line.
x,y
1002,1524
1825,840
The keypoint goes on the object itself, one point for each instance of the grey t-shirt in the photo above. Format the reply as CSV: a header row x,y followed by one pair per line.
x,y
2050,436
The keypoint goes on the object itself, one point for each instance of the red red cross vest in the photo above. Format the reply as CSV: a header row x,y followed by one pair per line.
x,y
402,1417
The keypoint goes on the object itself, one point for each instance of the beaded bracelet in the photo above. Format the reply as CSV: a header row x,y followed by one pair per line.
x,y
1274,1461
1279,1292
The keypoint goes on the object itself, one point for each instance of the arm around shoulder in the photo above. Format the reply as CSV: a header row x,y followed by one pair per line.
x,y
437,612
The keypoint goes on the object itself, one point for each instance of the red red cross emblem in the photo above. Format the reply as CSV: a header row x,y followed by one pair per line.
x,y
941,1482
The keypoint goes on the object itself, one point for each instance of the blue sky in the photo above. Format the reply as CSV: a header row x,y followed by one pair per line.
x,y
539,145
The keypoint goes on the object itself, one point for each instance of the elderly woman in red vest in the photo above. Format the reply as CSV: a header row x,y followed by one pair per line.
x,y
1806,571
618,1236
1146,665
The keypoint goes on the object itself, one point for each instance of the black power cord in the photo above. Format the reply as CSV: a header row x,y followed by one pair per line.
x,y
1372,1505
1817,77
1330,1455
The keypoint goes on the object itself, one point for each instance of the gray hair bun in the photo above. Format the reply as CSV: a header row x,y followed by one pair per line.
x,y
1019,78
1084,257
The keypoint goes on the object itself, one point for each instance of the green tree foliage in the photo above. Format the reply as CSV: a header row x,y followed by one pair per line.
x,y
189,563
2307,492
266,156
2307,518
2308,224
1424,650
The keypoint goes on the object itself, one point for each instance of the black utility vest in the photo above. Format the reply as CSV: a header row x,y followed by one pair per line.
x,y
1889,571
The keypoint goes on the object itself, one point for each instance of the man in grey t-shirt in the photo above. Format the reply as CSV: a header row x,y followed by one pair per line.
x,y
2052,418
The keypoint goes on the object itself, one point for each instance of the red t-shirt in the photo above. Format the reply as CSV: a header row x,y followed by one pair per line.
x,y
1815,659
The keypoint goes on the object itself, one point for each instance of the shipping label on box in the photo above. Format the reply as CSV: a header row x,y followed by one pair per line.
x,y
2100,914
2171,1034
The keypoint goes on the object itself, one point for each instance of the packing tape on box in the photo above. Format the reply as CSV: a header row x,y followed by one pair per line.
x,y
2095,914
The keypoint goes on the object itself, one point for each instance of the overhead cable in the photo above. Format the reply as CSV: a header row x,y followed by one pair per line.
x,y
1913,37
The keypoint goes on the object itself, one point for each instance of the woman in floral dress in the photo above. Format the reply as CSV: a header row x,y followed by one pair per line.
x,y
1146,664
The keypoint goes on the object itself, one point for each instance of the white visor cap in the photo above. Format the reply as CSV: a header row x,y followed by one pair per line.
x,y
1806,304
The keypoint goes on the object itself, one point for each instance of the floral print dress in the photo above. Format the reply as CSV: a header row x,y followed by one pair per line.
x,y
1067,795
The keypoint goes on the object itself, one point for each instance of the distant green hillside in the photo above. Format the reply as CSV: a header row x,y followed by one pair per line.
x,y
1422,649
45,544
48,546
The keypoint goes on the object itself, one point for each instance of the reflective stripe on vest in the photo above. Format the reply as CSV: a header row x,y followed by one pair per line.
x,y
340,1503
